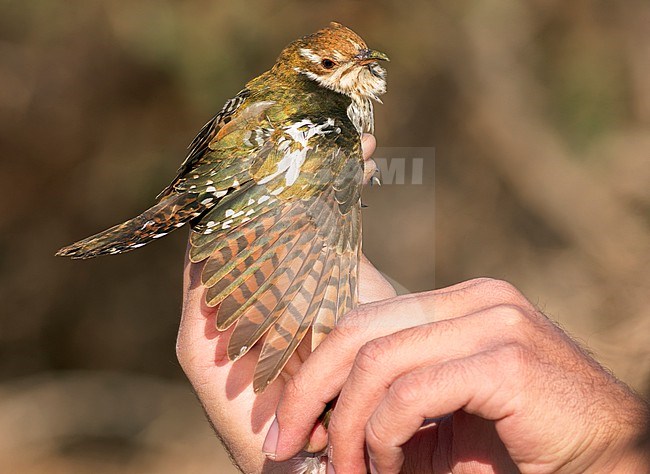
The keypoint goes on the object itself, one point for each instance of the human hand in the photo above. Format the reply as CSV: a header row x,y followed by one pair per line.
x,y
239,416
510,390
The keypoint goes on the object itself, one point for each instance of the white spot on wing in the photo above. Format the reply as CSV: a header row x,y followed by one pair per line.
x,y
226,224
247,138
301,133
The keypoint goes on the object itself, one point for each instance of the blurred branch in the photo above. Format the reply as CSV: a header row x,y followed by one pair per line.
x,y
532,157
500,94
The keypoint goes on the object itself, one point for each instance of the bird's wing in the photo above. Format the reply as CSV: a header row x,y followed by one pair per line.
x,y
207,175
281,248
199,146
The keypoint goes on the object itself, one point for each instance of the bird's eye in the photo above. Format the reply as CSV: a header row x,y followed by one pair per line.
x,y
327,63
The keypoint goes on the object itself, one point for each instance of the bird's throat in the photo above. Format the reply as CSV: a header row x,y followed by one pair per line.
x,y
360,112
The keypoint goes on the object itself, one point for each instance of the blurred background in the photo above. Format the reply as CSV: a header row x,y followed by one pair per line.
x,y
539,113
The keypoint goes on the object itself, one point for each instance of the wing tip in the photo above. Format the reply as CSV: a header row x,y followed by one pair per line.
x,y
64,252
74,251
260,383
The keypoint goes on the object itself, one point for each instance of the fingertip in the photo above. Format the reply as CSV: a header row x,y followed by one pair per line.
x,y
300,409
369,170
300,431
368,145
317,439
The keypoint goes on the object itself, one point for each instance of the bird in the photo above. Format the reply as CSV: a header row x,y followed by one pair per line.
x,y
271,190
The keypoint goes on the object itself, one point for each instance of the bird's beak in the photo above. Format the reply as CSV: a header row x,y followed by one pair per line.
x,y
368,56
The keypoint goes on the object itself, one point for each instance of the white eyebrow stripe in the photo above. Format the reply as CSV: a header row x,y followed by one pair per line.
x,y
338,55
355,44
309,54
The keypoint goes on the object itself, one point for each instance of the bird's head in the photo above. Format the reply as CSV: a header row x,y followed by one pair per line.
x,y
337,58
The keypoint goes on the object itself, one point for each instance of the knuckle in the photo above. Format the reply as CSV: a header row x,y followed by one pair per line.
x,y
514,358
504,290
350,329
355,320
512,316
405,391
372,355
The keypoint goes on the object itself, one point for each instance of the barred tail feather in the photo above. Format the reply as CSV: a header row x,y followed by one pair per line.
x,y
274,350
153,223
295,320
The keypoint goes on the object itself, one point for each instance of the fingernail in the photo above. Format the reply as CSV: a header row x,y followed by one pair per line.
x,y
270,445
373,469
330,468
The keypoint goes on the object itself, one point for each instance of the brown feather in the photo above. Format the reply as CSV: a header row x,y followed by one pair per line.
x,y
278,339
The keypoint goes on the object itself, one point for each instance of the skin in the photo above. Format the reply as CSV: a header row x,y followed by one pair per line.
x,y
509,390
521,394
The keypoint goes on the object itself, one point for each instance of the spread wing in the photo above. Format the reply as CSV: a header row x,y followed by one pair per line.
x,y
281,245
273,197
199,146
